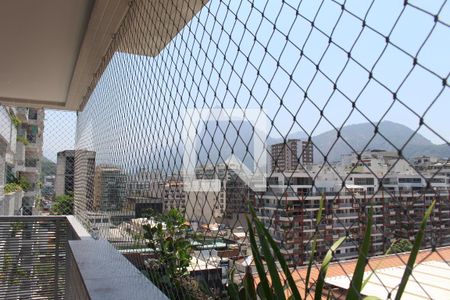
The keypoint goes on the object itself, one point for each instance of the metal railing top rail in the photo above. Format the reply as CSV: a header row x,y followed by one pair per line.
x,y
32,218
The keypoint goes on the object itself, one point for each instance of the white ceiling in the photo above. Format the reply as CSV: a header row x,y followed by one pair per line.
x,y
51,49
39,44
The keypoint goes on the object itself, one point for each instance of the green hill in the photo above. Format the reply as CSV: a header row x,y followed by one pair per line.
x,y
48,168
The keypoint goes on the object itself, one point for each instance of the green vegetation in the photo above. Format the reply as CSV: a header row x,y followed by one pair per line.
x,y
21,182
273,288
48,168
15,120
414,251
168,270
38,202
401,245
12,188
24,183
168,239
63,205
23,140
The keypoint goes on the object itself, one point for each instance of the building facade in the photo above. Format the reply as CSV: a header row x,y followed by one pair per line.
x,y
21,140
65,172
84,181
288,156
109,188
145,190
30,135
398,195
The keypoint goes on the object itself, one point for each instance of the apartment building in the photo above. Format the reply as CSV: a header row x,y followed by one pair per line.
x,y
288,156
21,143
30,137
235,178
8,132
65,172
174,195
84,181
109,188
399,198
433,165
205,207
48,190
145,190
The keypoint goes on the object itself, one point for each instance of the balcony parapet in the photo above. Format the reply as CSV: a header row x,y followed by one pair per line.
x,y
96,270
79,266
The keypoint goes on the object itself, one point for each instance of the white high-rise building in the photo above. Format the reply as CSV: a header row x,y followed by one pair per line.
x,y
21,141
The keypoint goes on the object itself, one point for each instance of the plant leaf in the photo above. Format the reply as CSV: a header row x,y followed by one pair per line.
x,y
270,260
310,263
233,290
313,248
324,268
260,291
319,213
279,256
258,263
412,257
388,251
355,287
249,285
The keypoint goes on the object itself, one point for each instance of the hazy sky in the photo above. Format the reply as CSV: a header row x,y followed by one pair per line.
x,y
59,132
204,66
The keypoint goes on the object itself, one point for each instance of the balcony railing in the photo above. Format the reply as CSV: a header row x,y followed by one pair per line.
x,y
53,257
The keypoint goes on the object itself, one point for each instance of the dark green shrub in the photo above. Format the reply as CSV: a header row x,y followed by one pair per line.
x,y
63,205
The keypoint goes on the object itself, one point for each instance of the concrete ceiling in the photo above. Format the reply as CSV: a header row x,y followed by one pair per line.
x,y
50,50
39,45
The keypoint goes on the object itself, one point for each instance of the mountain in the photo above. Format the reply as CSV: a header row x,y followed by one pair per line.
x,y
359,136
389,134
48,168
213,147
217,141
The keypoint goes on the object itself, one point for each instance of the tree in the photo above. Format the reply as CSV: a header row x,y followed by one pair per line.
x,y
401,245
63,205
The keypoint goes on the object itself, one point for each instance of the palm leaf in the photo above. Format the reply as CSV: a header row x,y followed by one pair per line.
x,y
287,273
249,286
258,262
233,291
358,274
324,268
270,260
388,251
412,257
313,248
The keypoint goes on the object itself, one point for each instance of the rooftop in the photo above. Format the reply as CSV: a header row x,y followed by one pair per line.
x,y
391,268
